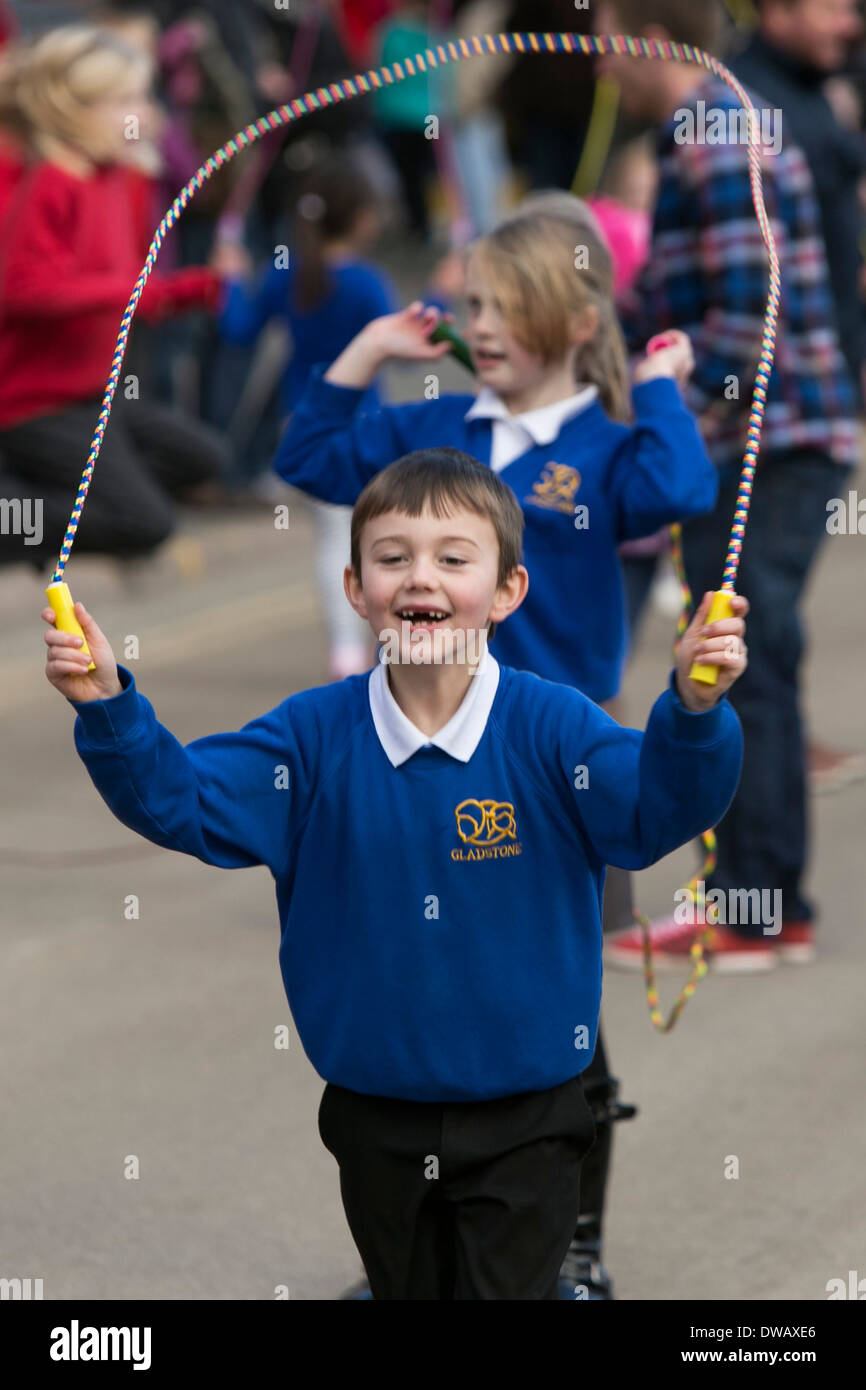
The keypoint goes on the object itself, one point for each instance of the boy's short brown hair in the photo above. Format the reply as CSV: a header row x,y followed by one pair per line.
x,y
443,479
696,22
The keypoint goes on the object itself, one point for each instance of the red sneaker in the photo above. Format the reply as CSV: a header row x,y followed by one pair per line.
x,y
795,944
671,942
828,769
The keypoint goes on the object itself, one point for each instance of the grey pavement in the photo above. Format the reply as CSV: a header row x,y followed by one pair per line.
x,y
152,1039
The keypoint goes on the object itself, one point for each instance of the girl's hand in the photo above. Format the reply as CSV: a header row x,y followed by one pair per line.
x,y
719,644
672,357
66,665
406,335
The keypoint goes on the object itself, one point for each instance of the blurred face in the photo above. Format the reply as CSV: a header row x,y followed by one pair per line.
x,y
367,226
818,31
638,78
420,573
111,131
500,361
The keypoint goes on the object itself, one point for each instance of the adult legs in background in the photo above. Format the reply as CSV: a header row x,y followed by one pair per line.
x,y
413,156
179,450
149,453
638,573
29,516
763,839
126,512
551,153
349,636
482,159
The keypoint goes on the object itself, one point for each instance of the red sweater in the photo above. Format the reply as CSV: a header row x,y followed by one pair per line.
x,y
71,250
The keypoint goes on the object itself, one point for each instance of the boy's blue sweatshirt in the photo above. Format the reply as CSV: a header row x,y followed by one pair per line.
x,y
631,480
493,991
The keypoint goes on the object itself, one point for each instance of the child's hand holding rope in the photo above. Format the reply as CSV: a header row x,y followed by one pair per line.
x,y
66,664
718,644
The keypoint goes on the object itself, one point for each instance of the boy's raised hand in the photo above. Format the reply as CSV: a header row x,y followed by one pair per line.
x,y
720,644
66,665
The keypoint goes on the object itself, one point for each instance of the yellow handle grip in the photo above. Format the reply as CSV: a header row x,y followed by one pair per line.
x,y
719,608
59,597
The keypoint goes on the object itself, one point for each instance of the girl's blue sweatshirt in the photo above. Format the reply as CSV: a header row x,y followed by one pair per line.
x,y
440,920
599,483
358,292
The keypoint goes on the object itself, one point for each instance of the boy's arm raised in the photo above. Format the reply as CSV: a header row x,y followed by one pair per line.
x,y
643,795
233,800
330,449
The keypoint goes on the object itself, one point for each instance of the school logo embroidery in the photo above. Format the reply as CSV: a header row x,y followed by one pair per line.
x,y
483,825
555,488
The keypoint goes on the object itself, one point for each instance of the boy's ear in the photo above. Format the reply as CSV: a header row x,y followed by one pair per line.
x,y
354,592
510,594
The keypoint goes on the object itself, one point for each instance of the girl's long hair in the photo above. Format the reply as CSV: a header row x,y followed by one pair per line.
x,y
328,204
549,263
48,84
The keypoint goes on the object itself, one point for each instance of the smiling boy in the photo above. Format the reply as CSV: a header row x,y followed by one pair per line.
x,y
451,1015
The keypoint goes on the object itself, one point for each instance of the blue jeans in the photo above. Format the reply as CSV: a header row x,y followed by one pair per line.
x,y
763,839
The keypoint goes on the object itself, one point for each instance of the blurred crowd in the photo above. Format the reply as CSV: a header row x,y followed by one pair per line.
x,y
220,350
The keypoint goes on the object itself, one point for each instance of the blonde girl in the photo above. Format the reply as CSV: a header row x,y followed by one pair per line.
x,y
78,149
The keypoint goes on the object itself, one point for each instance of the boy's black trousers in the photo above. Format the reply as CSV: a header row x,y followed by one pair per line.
x,y
468,1200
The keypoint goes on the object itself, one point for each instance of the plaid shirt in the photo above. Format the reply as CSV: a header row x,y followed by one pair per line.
x,y
708,275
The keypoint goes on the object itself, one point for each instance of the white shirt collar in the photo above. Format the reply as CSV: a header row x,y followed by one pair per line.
x,y
459,737
543,424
